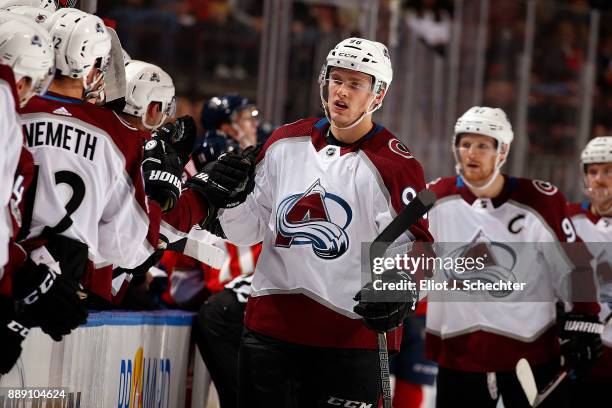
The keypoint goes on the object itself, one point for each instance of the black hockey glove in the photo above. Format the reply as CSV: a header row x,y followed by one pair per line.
x,y
162,171
580,340
181,135
229,180
12,334
384,310
48,299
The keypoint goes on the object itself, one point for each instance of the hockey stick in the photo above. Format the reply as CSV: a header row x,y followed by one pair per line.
x,y
404,220
202,251
524,373
191,245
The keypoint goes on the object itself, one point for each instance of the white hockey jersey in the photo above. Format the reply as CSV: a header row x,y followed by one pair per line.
x,y
596,232
313,205
11,140
492,336
89,185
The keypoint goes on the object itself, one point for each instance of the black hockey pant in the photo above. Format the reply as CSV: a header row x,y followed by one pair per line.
x,y
217,331
276,374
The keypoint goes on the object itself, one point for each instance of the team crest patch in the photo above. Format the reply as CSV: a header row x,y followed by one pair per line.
x,y
315,218
36,41
398,148
545,187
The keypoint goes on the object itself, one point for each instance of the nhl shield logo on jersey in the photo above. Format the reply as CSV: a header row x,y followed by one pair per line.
x,y
316,218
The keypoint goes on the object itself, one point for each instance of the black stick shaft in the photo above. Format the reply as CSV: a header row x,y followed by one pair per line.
x,y
404,220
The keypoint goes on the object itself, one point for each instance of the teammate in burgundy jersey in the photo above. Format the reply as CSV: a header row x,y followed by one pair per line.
x,y
477,344
322,187
593,221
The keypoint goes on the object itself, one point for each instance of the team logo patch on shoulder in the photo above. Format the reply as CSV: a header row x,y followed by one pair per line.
x,y
314,218
545,187
398,148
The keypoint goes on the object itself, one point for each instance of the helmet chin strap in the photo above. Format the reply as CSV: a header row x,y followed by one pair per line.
x,y
153,127
606,213
599,212
26,98
357,121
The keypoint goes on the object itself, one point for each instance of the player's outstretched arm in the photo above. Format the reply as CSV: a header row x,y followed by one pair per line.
x,y
226,184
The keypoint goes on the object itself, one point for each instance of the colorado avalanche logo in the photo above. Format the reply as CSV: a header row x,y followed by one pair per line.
x,y
499,261
315,218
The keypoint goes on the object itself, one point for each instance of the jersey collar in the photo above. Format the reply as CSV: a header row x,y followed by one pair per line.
x,y
510,184
324,137
586,210
61,98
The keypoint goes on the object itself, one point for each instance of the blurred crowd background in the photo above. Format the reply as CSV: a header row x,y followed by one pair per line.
x,y
547,63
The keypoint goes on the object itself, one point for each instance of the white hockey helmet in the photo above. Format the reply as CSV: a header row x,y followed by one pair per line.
x,y
598,150
27,49
81,43
146,83
359,54
486,121
362,55
49,5
60,13
37,15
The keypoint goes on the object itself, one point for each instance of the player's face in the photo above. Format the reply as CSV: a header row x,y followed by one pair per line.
x,y
598,180
350,95
24,89
477,156
246,123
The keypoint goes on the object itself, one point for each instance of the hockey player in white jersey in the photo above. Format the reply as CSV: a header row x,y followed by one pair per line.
x,y
322,187
25,301
593,221
84,155
477,344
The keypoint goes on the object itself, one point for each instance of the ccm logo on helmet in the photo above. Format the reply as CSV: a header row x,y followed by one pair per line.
x,y
345,54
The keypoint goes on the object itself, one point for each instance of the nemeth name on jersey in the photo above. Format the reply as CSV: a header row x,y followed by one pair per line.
x,y
55,133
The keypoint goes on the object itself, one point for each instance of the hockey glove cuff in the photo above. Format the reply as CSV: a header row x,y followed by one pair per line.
x,y
581,344
162,171
48,299
385,310
12,334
